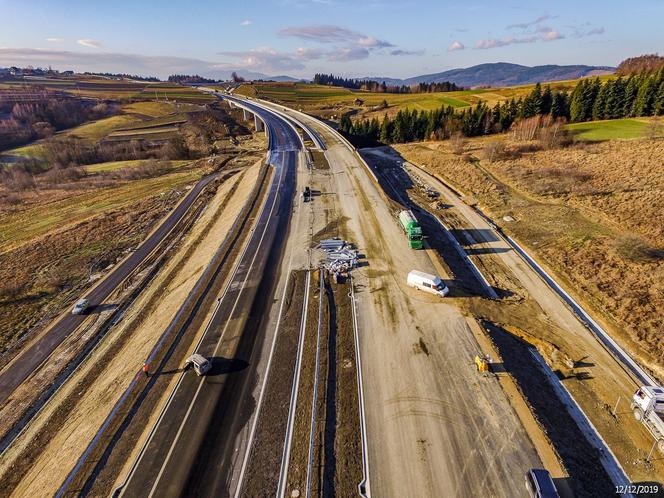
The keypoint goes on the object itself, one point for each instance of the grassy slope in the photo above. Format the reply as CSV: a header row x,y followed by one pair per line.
x,y
317,97
134,116
38,220
611,129
594,213
115,165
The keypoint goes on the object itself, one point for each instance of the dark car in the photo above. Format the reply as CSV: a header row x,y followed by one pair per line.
x,y
540,484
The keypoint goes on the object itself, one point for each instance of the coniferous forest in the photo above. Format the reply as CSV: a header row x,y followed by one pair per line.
x,y
636,95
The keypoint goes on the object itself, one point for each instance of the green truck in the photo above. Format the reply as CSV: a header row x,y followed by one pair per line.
x,y
412,228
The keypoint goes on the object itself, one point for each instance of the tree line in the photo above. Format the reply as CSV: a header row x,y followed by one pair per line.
x,y
39,113
376,87
638,95
648,63
187,79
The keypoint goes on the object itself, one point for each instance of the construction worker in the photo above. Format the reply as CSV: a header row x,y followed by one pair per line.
x,y
146,370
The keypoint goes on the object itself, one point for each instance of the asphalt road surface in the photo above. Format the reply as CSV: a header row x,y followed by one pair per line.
x,y
191,450
26,362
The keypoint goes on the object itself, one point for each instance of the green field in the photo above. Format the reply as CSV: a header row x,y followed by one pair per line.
x,y
330,101
596,131
24,225
155,120
115,165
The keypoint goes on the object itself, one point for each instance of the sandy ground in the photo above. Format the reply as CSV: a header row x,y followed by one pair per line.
x,y
173,284
435,427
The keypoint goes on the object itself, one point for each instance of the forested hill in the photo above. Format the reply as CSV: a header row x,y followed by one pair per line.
x,y
502,74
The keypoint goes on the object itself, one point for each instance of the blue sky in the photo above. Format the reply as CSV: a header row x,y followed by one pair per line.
x,y
302,37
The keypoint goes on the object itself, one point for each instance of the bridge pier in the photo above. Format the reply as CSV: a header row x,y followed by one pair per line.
x,y
258,124
245,114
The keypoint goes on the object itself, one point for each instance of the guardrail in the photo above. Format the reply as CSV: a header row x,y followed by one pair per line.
x,y
597,330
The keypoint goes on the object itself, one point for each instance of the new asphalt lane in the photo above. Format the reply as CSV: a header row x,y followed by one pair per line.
x,y
191,449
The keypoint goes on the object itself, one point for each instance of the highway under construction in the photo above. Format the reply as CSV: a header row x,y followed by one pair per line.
x,y
332,375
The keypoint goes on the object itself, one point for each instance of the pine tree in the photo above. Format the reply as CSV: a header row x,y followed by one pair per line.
x,y
345,124
547,100
645,98
559,106
599,105
658,107
631,89
577,112
386,130
615,102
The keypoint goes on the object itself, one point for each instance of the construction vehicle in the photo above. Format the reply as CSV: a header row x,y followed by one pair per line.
x,y
412,228
648,408
483,363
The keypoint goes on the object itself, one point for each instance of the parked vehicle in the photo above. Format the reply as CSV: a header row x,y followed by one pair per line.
x,y
412,228
200,363
80,307
648,408
540,484
428,283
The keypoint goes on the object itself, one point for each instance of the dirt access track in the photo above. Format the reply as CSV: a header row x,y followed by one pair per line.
x,y
435,428
537,314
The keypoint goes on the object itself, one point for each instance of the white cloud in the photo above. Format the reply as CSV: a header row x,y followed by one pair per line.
x,y
326,33
161,66
371,42
495,43
265,59
582,32
54,40
246,22
456,45
321,33
345,54
87,42
310,53
550,34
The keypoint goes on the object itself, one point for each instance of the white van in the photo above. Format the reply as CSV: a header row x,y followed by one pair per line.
x,y
200,363
426,282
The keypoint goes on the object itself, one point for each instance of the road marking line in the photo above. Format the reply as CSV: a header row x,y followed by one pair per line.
x,y
267,369
223,332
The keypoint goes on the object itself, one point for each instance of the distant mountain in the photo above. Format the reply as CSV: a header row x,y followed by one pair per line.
x,y
502,74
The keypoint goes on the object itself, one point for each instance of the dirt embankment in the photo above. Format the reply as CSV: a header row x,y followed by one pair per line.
x,y
587,477
592,213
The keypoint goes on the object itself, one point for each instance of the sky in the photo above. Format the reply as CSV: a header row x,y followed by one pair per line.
x,y
352,38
